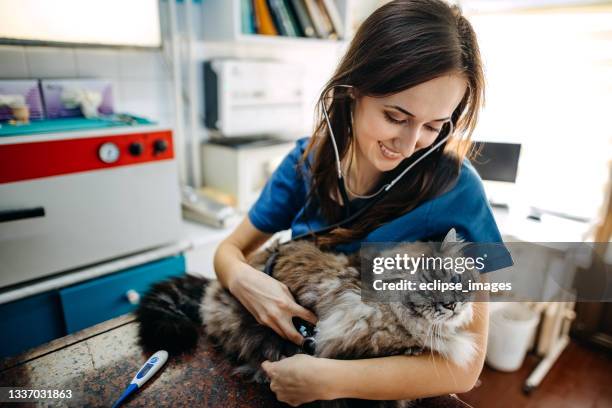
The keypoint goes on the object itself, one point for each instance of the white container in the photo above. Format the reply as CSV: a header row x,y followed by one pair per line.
x,y
511,330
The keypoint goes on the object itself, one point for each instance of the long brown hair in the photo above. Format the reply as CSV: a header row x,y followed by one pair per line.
x,y
401,44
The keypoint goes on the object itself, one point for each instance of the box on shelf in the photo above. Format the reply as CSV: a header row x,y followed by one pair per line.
x,y
66,98
20,91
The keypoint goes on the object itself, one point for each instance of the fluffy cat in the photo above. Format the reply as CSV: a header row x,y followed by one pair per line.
x,y
172,313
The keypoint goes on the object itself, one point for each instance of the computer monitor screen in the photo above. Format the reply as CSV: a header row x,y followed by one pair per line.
x,y
497,161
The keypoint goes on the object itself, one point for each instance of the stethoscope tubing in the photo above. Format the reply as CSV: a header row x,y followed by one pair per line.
x,y
379,194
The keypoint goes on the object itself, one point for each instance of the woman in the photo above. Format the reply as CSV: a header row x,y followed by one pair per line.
x,y
411,74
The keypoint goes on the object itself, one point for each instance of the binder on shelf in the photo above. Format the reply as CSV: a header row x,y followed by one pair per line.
x,y
281,18
317,19
265,24
292,18
303,18
247,17
334,16
329,28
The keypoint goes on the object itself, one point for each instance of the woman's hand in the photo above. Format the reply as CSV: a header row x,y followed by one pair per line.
x,y
270,302
295,380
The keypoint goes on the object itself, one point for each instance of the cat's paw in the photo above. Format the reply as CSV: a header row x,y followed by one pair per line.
x,y
260,377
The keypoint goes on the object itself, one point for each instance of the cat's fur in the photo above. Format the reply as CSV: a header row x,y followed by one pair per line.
x,y
172,313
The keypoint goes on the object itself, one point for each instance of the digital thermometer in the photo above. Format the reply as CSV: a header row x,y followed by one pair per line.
x,y
148,370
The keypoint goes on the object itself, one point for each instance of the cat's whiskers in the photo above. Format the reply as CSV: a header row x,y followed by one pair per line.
x,y
430,346
477,312
434,339
438,339
446,359
448,366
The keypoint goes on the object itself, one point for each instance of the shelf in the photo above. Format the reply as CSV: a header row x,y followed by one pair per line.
x,y
285,40
221,22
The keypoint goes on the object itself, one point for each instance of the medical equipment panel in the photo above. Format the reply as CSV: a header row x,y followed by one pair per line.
x,y
73,199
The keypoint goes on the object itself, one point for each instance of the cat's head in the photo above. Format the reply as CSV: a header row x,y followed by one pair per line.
x,y
440,263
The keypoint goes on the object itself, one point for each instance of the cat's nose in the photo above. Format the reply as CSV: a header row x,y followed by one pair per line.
x,y
449,306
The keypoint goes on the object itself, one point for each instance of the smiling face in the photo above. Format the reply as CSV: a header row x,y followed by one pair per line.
x,y
392,128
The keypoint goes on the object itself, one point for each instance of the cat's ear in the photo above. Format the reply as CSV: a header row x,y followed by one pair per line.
x,y
449,239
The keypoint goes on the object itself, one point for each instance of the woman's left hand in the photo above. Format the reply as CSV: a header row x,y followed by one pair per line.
x,y
295,380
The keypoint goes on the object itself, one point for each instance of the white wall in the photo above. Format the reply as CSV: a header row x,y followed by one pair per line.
x,y
549,87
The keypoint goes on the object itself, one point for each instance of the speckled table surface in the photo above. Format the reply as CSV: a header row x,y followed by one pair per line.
x,y
98,365
99,362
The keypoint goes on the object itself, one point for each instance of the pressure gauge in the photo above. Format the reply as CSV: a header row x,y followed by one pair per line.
x,y
108,152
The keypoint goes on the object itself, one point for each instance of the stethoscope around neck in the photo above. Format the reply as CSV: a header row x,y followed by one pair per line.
x,y
373,198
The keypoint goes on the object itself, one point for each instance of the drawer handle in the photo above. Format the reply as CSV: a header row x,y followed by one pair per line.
x,y
132,296
21,214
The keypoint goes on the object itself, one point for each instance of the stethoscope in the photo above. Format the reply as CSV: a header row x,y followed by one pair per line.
x,y
375,197
307,330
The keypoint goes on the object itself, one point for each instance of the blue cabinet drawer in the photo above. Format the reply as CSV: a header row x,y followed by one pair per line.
x,y
101,299
30,322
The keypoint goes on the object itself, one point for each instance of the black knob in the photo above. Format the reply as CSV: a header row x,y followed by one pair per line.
x,y
160,146
136,149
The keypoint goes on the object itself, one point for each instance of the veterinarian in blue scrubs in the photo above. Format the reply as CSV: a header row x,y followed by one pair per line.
x,y
411,78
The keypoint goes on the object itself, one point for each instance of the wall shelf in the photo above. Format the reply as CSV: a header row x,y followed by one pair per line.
x,y
222,22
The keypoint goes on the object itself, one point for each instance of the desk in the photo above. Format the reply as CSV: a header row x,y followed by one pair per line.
x,y
515,226
97,364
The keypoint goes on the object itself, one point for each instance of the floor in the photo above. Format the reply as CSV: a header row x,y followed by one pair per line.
x,y
581,378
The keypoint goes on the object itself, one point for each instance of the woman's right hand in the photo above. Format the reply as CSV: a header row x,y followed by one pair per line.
x,y
270,302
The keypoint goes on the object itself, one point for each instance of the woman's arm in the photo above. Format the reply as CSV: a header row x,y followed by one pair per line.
x,y
407,377
267,299
230,256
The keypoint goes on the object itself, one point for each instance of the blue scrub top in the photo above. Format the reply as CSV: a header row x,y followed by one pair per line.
x,y
464,207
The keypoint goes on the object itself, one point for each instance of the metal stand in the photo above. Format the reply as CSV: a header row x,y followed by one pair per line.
x,y
554,338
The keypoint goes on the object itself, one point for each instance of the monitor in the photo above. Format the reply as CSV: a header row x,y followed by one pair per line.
x,y
497,161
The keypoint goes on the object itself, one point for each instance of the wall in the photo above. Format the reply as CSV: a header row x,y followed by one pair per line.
x,y
549,87
141,79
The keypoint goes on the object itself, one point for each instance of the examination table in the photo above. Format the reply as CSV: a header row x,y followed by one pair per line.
x,y
99,362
